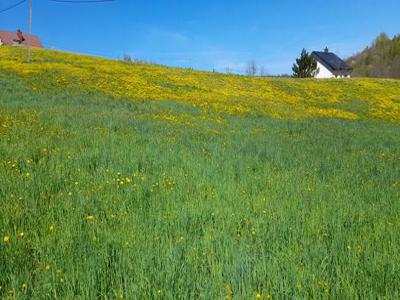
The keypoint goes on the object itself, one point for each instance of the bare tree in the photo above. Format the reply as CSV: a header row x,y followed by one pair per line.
x,y
127,58
251,69
228,70
263,71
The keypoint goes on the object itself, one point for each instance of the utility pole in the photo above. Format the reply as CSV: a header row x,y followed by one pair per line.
x,y
30,31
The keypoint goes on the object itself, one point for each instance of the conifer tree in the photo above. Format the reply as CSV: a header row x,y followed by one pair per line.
x,y
305,66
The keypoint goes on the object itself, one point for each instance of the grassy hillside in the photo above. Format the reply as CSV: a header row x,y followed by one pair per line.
x,y
381,59
220,187
279,98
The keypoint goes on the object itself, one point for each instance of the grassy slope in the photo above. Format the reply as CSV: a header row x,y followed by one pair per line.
x,y
279,98
161,199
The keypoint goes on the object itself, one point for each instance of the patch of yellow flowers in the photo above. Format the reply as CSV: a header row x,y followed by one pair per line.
x,y
280,98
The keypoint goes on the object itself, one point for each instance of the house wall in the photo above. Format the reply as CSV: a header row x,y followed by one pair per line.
x,y
326,73
323,72
343,76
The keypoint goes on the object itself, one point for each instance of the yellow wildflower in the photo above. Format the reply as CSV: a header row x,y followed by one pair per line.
x,y
6,238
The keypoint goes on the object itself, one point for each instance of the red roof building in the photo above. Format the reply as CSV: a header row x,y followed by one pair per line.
x,y
10,38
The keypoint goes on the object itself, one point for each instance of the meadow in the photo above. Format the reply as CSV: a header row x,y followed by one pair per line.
x,y
122,181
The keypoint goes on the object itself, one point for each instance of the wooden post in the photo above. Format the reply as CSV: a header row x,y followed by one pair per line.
x,y
30,31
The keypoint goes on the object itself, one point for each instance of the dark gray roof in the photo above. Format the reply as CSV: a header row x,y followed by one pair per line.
x,y
332,61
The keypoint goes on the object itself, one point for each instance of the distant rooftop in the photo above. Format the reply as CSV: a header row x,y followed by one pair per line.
x,y
9,37
332,61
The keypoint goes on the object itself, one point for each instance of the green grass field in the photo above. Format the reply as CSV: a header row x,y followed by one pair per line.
x,y
102,199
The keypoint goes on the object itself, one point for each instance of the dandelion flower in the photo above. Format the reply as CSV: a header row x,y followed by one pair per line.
x,y
89,218
47,268
6,238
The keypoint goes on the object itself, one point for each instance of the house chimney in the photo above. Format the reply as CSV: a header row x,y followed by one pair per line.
x,y
20,36
326,50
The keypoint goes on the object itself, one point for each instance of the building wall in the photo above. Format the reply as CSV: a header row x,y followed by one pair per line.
x,y
323,72
326,73
344,76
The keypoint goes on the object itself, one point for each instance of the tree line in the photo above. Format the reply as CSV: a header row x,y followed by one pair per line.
x,y
380,59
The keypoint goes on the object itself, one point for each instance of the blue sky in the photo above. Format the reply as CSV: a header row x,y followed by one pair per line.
x,y
207,34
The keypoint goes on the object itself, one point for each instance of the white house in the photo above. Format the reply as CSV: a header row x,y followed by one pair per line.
x,y
329,65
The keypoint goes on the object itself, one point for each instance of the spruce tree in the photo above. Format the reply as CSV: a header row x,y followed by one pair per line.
x,y
305,66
